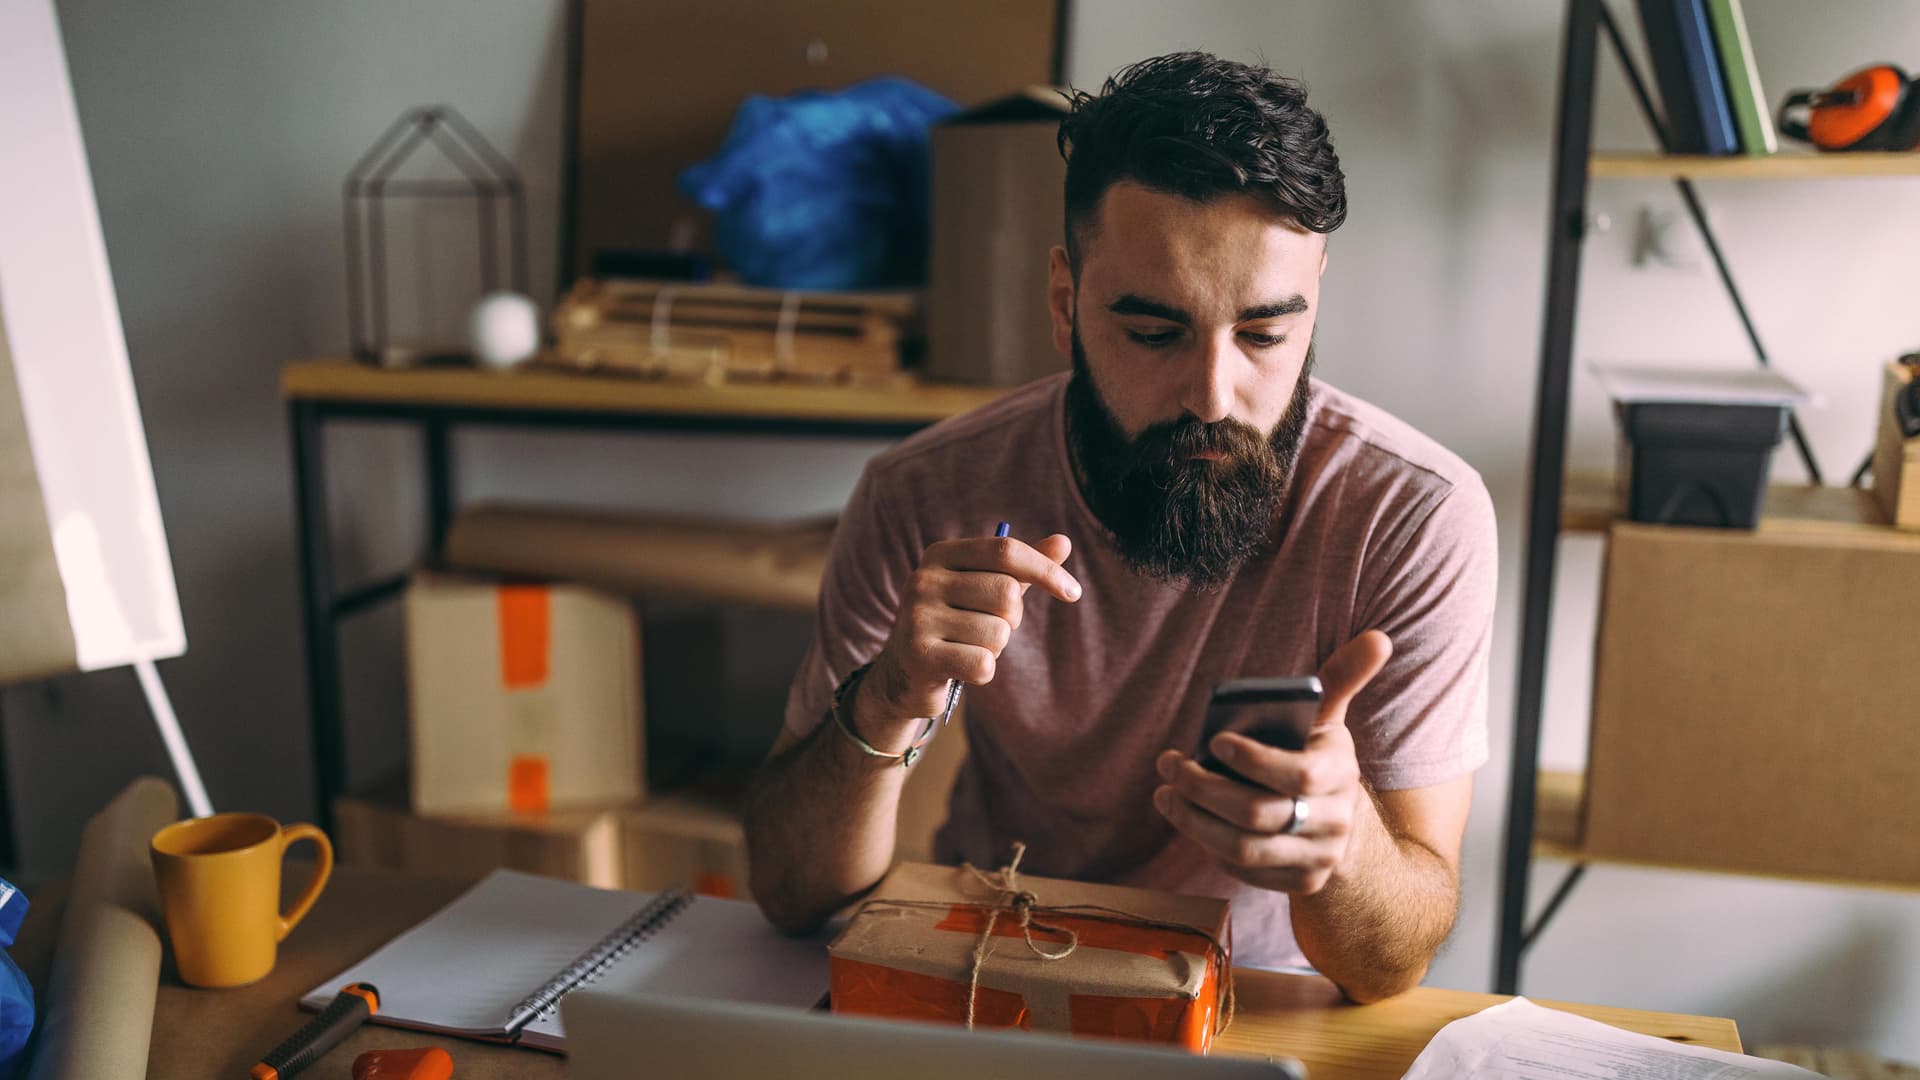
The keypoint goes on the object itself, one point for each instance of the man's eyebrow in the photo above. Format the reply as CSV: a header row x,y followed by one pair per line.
x,y
1292,305
1131,304
1134,304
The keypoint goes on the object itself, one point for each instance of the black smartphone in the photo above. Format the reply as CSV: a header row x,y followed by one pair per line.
x,y
1278,712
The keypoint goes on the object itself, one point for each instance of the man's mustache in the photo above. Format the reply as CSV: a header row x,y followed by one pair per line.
x,y
1174,441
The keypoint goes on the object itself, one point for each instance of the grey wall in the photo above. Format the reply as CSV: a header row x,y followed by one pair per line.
x,y
219,133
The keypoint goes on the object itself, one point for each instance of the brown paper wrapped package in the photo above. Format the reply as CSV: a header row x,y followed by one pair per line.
x,y
772,565
1139,963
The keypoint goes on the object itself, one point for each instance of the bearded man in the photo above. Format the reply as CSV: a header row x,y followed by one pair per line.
x,y
1190,504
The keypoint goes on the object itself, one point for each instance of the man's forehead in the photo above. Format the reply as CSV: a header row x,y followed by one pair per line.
x,y
1232,251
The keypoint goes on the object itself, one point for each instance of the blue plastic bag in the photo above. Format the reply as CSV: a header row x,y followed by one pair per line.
x,y
824,190
16,994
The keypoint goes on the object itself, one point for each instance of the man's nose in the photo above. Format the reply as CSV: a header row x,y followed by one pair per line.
x,y
1209,392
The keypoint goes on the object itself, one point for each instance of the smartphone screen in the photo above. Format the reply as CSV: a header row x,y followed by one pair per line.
x,y
1278,712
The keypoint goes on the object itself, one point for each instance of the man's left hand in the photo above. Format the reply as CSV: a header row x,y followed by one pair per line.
x,y
1244,825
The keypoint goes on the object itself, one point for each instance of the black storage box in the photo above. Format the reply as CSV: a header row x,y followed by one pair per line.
x,y
1692,463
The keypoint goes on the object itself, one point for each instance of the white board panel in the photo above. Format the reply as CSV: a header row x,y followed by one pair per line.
x,y
70,361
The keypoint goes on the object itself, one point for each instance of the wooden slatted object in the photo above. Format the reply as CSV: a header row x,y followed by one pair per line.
x,y
719,331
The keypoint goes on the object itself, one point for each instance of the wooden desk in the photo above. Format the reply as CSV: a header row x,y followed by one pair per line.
x,y
201,1033
1302,1017
437,400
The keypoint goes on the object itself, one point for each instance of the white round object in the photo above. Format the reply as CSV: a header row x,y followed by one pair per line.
x,y
504,330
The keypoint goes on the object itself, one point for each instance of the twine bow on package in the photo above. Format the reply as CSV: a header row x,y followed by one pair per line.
x,y
1003,950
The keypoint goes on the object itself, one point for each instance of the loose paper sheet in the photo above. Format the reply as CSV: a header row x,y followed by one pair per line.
x,y
1518,1040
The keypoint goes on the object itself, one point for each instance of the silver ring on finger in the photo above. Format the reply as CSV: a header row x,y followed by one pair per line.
x,y
1298,822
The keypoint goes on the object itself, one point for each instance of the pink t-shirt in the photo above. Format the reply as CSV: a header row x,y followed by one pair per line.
x,y
1380,528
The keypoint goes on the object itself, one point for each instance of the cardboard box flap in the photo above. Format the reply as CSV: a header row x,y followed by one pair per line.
x,y
1029,104
928,919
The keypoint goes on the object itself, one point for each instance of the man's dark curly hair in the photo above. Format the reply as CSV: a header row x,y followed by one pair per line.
x,y
1194,125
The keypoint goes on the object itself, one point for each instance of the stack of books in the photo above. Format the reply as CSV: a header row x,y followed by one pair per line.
x,y
1703,63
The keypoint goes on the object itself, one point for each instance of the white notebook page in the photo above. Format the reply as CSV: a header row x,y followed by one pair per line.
x,y
466,967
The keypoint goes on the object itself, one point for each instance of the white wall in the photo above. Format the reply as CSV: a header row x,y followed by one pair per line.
x,y
219,133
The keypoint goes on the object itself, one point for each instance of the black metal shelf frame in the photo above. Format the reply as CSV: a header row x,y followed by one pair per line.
x,y
1573,149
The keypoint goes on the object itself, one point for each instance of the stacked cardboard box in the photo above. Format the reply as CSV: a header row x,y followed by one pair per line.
x,y
691,835
997,176
503,668
1754,701
525,696
1896,455
376,828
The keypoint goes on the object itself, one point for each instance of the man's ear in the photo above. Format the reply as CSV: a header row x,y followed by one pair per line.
x,y
1325,245
1060,290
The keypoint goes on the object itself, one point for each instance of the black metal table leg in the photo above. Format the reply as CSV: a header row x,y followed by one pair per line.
x,y
439,455
1566,224
316,607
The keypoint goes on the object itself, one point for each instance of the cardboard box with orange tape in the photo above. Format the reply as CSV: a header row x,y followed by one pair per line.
x,y
373,827
524,696
692,836
1065,956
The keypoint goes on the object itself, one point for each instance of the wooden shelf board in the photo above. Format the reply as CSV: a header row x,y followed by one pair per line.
x,y
902,401
1558,801
1590,503
1788,165
1559,810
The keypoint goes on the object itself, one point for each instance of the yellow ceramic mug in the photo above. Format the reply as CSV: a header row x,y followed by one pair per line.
x,y
219,881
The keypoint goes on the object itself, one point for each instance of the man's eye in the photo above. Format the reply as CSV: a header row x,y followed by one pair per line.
x,y
1153,340
1265,341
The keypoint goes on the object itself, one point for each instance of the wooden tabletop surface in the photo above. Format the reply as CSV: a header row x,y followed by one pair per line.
x,y
200,1033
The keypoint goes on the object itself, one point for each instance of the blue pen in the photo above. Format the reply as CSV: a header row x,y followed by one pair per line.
x,y
953,685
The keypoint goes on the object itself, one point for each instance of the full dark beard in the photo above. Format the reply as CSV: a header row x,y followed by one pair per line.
x,y
1173,518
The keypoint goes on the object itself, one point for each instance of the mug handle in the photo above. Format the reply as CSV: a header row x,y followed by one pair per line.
x,y
293,834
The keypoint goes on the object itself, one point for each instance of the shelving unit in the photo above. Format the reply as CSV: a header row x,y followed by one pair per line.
x,y
436,401
1545,809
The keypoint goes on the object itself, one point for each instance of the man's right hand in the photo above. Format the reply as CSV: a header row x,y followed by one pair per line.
x,y
957,612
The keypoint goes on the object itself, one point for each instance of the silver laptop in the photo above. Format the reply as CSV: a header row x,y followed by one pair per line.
x,y
620,1036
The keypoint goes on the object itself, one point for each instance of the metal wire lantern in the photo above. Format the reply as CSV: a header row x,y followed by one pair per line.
x,y
488,178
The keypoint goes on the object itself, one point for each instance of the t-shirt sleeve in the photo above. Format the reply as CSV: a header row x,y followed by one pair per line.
x,y
867,566
1423,719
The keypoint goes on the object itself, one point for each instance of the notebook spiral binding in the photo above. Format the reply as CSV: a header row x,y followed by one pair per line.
x,y
596,961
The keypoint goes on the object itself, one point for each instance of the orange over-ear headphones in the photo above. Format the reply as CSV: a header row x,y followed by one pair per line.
x,y
1875,108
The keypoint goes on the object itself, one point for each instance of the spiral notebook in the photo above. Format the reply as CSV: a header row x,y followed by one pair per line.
x,y
495,963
